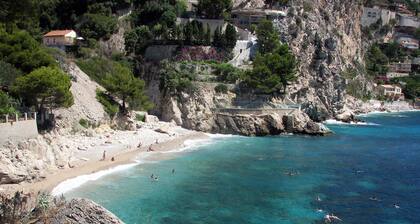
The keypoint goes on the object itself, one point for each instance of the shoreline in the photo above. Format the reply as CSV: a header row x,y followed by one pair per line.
x,y
122,160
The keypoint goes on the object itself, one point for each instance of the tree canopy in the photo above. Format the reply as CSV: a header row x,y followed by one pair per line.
x,y
272,72
6,104
214,9
45,87
122,84
274,66
267,37
22,51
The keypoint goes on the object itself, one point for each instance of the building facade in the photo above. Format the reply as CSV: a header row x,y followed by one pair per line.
x,y
245,18
60,38
373,15
392,92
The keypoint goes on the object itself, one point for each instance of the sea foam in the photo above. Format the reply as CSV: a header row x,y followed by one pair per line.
x,y
336,122
76,182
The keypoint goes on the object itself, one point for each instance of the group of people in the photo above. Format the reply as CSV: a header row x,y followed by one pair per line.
x,y
150,149
154,177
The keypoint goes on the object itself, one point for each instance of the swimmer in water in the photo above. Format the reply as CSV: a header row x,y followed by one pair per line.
x,y
318,198
374,198
396,206
330,218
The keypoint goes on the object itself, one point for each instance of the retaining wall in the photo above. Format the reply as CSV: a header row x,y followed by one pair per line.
x,y
16,131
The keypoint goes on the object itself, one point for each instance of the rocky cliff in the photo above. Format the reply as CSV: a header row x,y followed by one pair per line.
x,y
209,111
325,36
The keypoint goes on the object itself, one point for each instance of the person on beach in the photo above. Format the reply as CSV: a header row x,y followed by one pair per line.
x,y
104,155
139,145
112,159
150,149
157,141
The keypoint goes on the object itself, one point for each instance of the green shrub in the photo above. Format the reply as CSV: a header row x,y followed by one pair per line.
x,y
140,117
227,73
221,88
110,106
84,123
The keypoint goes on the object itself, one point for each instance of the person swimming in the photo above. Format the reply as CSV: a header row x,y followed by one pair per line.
x,y
318,198
396,206
173,171
374,198
331,218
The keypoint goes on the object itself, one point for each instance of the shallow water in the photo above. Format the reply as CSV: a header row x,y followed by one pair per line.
x,y
246,180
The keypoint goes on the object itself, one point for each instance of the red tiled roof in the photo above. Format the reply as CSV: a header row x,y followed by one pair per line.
x,y
57,33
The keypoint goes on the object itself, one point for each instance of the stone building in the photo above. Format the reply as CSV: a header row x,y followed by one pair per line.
x,y
375,14
407,24
408,42
392,92
244,18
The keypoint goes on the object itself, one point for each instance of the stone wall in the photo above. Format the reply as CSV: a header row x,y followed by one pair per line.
x,y
16,131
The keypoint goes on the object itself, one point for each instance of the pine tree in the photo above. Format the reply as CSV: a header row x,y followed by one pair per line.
x,y
230,37
208,35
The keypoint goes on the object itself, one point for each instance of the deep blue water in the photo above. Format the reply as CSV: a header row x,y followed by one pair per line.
x,y
245,180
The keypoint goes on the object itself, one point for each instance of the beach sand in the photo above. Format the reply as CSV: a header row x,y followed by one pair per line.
x,y
90,161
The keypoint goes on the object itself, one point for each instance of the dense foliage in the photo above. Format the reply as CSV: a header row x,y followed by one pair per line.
x,y
7,104
274,66
94,18
119,81
8,74
267,37
122,84
214,9
44,88
411,86
376,61
176,78
22,51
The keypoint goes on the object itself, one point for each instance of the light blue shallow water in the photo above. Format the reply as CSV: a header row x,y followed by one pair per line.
x,y
245,180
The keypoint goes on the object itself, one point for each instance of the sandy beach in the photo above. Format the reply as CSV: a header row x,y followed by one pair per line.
x,y
120,147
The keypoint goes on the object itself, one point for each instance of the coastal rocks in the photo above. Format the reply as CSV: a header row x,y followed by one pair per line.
x,y
83,211
28,160
362,107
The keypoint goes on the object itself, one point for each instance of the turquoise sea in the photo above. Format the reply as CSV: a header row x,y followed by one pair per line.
x,y
247,179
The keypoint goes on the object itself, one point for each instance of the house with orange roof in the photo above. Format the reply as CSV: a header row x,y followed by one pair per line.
x,y
60,38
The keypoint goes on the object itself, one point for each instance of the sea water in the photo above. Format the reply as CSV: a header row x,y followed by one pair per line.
x,y
281,179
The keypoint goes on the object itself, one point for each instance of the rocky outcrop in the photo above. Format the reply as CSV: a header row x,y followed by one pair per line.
x,y
208,111
326,38
29,160
85,106
83,211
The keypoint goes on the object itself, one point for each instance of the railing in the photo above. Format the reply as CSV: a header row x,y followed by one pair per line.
x,y
26,116
256,111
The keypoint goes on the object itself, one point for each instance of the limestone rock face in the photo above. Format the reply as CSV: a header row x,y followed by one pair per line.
x,y
84,211
28,160
201,111
85,105
326,38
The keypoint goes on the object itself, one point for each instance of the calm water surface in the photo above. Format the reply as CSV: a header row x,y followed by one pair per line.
x,y
245,180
